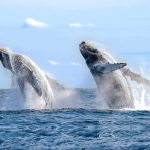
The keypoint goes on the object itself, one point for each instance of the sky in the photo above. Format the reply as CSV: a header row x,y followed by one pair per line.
x,y
49,31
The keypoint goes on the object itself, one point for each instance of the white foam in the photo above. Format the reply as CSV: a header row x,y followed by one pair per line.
x,y
141,96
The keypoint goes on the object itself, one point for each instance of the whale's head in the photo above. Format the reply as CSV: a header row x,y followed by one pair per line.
x,y
98,60
93,55
5,58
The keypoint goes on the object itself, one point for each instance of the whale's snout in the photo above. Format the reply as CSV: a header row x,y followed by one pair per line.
x,y
82,45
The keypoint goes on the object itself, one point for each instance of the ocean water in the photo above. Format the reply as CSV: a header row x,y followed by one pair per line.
x,y
74,128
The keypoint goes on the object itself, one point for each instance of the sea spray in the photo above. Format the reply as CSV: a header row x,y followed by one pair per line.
x,y
141,95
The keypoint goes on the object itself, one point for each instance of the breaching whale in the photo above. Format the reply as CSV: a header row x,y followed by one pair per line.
x,y
110,77
26,73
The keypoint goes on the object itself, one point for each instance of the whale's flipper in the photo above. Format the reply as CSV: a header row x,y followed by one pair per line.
x,y
135,76
107,68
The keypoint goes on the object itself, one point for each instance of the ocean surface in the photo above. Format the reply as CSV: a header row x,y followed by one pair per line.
x,y
83,128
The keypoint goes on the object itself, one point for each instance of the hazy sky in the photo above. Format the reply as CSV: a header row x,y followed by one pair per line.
x,y
49,31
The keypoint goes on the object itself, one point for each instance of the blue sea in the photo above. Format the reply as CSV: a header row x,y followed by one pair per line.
x,y
82,128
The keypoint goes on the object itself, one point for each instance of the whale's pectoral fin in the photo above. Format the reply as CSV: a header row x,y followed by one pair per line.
x,y
107,68
32,79
135,76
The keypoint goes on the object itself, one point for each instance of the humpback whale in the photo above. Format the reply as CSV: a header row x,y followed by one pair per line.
x,y
35,84
110,77
112,85
26,73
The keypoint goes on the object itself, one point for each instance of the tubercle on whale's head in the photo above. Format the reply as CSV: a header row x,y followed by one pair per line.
x,y
91,54
5,58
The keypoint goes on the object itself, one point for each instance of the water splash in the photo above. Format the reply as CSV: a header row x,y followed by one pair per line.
x,y
141,96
